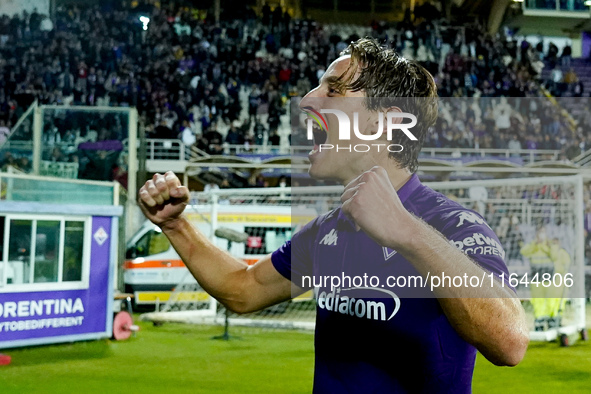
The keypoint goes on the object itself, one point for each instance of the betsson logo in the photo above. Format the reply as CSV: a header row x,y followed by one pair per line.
x,y
479,244
345,129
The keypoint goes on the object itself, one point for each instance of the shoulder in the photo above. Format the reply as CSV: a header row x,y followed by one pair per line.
x,y
464,228
294,257
444,214
312,227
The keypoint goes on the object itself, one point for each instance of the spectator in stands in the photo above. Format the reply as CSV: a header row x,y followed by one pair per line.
x,y
24,164
162,131
184,68
4,131
565,57
556,78
573,150
531,142
552,55
202,144
214,142
234,137
8,160
579,89
120,172
547,143
254,100
211,185
275,140
282,181
169,118
57,156
514,145
284,77
502,116
570,77
187,135
259,181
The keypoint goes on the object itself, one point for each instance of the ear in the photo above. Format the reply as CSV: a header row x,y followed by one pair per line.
x,y
390,110
374,121
385,113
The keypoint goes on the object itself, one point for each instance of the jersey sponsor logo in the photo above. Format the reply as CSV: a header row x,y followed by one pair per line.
x,y
471,217
479,244
388,252
369,303
330,238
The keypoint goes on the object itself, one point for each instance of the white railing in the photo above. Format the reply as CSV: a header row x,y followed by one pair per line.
x,y
527,155
18,145
256,149
157,149
164,149
577,6
583,159
174,149
15,131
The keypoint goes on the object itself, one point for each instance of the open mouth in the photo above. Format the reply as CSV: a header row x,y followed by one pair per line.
x,y
318,134
319,137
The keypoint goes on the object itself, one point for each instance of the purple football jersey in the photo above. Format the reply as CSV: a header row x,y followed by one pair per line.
x,y
376,339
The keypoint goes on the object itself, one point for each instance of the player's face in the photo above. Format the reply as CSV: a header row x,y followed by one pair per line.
x,y
343,164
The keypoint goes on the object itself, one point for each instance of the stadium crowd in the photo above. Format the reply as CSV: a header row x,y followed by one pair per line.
x,y
213,83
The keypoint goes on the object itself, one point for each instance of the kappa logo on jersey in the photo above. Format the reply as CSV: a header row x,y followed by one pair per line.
x,y
388,252
479,244
471,217
330,238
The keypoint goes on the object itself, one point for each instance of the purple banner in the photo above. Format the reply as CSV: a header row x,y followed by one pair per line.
x,y
102,145
586,44
45,314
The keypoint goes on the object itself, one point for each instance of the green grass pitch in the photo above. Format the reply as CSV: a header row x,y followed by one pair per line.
x,y
184,359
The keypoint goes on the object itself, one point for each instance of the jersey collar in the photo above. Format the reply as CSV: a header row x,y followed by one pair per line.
x,y
409,188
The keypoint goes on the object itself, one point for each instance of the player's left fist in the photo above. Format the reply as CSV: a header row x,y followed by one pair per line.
x,y
373,204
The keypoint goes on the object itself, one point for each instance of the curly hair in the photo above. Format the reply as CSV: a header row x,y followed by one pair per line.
x,y
390,80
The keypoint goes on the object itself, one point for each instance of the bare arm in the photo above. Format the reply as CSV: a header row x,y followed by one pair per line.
x,y
490,318
240,287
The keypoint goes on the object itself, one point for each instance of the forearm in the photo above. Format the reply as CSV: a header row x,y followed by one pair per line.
x,y
489,317
219,273
495,326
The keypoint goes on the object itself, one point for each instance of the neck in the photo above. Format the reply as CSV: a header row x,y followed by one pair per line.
x,y
398,176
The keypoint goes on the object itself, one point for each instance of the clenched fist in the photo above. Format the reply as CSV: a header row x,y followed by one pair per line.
x,y
373,204
163,199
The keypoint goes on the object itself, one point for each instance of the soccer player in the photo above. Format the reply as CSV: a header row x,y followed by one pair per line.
x,y
370,339
546,258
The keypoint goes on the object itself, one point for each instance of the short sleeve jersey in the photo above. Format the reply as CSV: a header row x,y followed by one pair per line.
x,y
377,339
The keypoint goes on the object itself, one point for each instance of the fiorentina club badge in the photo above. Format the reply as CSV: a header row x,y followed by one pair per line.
x,y
100,236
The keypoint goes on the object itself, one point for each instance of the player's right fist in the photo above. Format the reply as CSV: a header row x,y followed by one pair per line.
x,y
163,199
